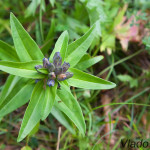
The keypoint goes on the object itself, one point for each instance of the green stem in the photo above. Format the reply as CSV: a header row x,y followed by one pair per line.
x,y
120,61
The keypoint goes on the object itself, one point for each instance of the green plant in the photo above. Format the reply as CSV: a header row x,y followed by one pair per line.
x,y
146,42
127,78
21,86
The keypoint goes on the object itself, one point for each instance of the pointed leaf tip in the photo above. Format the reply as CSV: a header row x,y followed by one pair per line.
x,y
84,80
77,49
61,46
25,46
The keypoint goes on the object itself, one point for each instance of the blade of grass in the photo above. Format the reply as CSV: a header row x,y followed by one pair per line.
x,y
112,131
120,61
41,25
142,112
138,104
132,116
132,98
134,126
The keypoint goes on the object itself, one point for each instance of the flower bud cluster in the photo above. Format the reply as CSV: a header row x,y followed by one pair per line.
x,y
56,71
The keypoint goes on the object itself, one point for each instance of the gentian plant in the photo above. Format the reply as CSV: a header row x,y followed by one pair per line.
x,y
45,81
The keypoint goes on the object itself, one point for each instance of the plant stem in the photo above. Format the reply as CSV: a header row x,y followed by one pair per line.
x,y
58,141
120,61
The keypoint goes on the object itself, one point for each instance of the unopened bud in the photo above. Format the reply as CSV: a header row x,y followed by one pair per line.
x,y
57,60
61,77
50,82
45,62
65,67
38,67
51,75
51,67
58,70
69,75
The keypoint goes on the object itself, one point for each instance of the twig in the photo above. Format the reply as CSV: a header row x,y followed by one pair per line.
x,y
58,141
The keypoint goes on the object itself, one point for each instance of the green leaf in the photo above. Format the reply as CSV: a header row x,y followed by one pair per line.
x,y
7,52
35,129
26,47
26,148
70,106
33,112
47,45
61,46
83,80
40,105
146,42
95,9
50,38
9,84
62,118
30,11
51,30
120,15
108,42
52,2
18,94
126,78
23,69
38,34
77,49
89,62
43,70
49,100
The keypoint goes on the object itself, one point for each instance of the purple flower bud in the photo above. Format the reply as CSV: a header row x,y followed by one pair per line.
x,y
68,75
65,66
38,67
61,77
57,60
58,70
51,67
45,62
51,75
50,82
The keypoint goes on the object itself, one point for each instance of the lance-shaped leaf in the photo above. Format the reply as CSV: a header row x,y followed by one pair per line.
x,y
40,105
88,62
9,85
77,49
33,112
83,80
43,70
69,105
7,52
35,129
23,69
49,100
13,86
61,46
26,47
62,118
18,94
